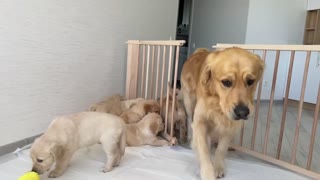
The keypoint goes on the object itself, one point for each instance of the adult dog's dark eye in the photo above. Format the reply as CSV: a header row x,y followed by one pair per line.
x,y
250,82
39,160
226,83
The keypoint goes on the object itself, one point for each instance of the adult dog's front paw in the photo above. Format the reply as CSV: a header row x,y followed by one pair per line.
x,y
207,174
55,173
106,169
219,170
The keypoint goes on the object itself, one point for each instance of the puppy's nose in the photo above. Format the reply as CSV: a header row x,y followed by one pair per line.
x,y
34,170
241,112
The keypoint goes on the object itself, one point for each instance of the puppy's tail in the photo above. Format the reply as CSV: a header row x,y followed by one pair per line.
x,y
123,141
200,50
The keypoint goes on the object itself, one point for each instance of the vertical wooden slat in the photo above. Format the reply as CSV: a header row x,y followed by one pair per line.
x,y
158,70
256,116
275,73
174,89
285,104
132,71
314,130
152,72
303,88
143,69
162,78
147,73
167,98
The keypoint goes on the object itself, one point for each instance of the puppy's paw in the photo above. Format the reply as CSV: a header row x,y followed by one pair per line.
x,y
219,171
105,169
54,173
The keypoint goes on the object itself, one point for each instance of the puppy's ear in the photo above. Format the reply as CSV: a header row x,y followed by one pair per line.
x,y
154,128
147,108
55,150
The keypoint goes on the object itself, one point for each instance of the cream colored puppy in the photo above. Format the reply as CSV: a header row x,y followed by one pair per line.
x,y
127,104
139,110
114,104
67,134
145,131
111,104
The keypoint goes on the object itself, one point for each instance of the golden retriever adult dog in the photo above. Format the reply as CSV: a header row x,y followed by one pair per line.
x,y
67,134
218,90
145,131
139,110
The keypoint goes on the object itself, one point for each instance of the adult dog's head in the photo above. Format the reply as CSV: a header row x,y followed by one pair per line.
x,y
42,154
230,77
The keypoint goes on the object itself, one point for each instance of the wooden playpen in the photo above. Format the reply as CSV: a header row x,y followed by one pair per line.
x,y
152,64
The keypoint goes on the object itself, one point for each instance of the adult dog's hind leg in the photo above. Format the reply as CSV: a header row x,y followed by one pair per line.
x,y
189,104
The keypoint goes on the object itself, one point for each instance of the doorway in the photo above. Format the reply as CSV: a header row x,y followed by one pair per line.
x,y
183,32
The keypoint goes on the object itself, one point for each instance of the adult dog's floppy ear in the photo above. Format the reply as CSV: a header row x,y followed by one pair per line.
x,y
206,75
261,66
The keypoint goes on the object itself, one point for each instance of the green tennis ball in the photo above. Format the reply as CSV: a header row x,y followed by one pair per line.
x,y
30,176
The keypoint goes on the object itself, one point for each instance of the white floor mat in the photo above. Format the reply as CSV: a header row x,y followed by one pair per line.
x,y
146,163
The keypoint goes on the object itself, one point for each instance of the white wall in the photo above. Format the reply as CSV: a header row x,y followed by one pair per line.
x,y
216,21
58,57
272,22
313,4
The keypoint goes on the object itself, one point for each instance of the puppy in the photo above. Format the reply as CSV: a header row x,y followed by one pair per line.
x,y
218,91
145,131
110,105
127,104
115,104
67,134
179,116
139,110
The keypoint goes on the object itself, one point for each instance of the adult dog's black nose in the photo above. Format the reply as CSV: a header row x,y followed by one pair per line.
x,y
241,112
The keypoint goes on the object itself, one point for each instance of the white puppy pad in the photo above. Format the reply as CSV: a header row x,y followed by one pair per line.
x,y
146,163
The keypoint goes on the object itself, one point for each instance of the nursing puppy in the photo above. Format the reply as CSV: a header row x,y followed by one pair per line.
x,y
127,104
115,104
67,134
179,116
110,105
145,131
139,110
218,90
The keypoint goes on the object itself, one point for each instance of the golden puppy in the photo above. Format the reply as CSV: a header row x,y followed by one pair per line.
x,y
179,116
127,104
115,104
67,134
139,110
110,105
218,90
145,131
